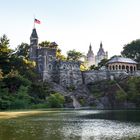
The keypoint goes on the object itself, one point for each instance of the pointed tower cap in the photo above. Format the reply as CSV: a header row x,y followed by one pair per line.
x,y
101,44
90,47
34,34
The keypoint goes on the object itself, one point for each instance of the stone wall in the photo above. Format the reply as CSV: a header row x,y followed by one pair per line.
x,y
70,74
137,73
93,76
98,75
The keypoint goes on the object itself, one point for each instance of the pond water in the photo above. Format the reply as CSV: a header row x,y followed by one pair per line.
x,y
72,125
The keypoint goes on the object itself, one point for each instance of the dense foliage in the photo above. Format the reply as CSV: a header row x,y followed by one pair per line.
x,y
132,50
127,90
74,55
20,86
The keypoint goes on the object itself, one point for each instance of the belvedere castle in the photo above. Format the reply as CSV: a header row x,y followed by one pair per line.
x,y
67,73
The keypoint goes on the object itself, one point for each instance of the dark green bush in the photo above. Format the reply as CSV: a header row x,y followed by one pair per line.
x,y
56,100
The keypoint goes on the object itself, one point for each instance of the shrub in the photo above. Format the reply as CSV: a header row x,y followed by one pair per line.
x,y
37,106
120,96
21,99
56,100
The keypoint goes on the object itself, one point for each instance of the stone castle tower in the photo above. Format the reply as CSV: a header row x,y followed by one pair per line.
x,y
33,45
65,73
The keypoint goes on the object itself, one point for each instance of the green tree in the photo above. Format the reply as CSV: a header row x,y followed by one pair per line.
x,y
23,50
102,63
22,98
45,44
132,50
133,90
5,53
83,67
14,80
56,100
93,67
48,44
74,55
25,67
39,91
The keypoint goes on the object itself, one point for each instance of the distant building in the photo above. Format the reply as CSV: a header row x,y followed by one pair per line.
x,y
101,54
94,60
90,57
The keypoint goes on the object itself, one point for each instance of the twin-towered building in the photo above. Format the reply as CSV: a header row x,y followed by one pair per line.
x,y
95,59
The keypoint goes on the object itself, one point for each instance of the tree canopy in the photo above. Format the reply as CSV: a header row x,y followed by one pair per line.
x,y
23,50
48,44
132,50
74,55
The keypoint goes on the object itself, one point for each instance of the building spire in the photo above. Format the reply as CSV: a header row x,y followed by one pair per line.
x,y
90,47
101,44
34,37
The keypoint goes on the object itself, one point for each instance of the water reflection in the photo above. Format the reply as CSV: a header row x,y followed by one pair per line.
x,y
72,125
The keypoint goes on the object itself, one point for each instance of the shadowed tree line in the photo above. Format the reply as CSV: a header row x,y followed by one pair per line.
x,y
20,86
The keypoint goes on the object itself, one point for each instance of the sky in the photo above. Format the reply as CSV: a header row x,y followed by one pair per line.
x,y
73,24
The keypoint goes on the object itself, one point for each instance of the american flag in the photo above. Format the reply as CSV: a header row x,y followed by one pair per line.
x,y
37,21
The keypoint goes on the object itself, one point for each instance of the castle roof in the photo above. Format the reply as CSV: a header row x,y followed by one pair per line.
x,y
34,33
121,60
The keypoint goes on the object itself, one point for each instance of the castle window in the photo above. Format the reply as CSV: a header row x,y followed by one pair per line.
x,y
50,57
50,67
64,67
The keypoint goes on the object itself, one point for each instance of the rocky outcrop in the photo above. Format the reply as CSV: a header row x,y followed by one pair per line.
x,y
100,95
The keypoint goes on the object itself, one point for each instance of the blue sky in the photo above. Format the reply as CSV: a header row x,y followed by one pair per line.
x,y
73,24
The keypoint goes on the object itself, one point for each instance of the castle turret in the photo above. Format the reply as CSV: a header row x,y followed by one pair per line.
x,y
33,45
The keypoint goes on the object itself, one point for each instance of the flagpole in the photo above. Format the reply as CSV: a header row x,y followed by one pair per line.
x,y
34,21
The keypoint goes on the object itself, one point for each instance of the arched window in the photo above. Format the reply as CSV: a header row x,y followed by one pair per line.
x,y
127,68
116,67
113,67
119,67
134,68
131,69
123,67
